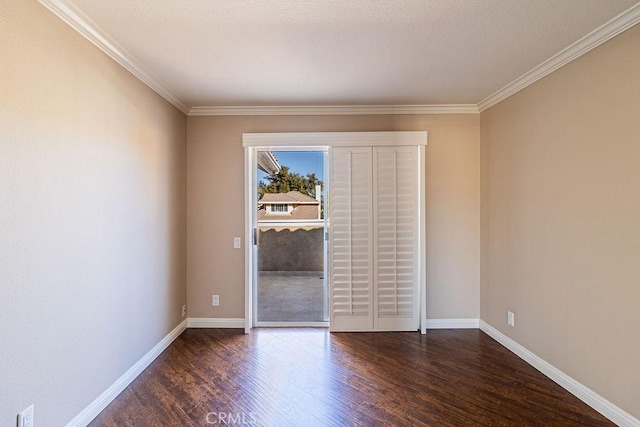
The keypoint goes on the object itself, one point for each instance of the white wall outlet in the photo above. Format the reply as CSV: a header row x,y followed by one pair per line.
x,y
511,318
25,418
236,243
184,310
215,300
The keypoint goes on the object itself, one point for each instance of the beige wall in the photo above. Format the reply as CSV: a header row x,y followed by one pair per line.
x,y
92,217
561,219
215,187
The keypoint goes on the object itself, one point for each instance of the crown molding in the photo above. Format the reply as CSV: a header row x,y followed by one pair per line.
x,y
333,110
617,25
84,25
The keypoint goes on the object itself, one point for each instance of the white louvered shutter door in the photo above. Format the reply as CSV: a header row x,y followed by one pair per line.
x,y
396,280
351,239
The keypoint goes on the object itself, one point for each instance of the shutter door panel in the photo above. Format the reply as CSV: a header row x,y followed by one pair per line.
x,y
374,266
396,233
351,258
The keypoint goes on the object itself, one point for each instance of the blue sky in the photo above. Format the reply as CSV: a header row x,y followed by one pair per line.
x,y
302,162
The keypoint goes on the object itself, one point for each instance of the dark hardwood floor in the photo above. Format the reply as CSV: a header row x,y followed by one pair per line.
x,y
308,377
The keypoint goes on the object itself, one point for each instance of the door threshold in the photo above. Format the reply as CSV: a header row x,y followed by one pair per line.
x,y
265,324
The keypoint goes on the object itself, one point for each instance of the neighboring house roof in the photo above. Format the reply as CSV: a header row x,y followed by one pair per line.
x,y
292,197
301,206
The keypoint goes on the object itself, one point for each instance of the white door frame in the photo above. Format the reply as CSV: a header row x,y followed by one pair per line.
x,y
251,220
321,141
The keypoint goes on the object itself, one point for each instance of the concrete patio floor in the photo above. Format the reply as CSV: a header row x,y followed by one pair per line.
x,y
290,298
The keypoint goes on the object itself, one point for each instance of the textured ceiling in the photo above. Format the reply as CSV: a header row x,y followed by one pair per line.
x,y
333,52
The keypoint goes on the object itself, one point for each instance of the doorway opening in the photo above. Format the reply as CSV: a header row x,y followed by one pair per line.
x,y
291,285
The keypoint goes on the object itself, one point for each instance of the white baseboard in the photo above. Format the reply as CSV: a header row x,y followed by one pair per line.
x,y
582,392
453,323
211,322
95,407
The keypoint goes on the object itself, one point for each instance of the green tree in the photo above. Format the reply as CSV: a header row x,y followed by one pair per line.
x,y
284,181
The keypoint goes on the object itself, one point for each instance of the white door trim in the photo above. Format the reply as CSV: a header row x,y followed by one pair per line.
x,y
422,236
269,141
250,215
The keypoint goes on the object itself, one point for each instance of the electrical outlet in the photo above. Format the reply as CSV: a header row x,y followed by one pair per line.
x,y
184,310
511,318
236,243
25,418
215,300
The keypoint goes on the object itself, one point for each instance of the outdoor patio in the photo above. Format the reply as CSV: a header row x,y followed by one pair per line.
x,y
290,298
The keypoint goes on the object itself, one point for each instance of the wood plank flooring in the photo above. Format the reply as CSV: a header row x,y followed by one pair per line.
x,y
308,377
